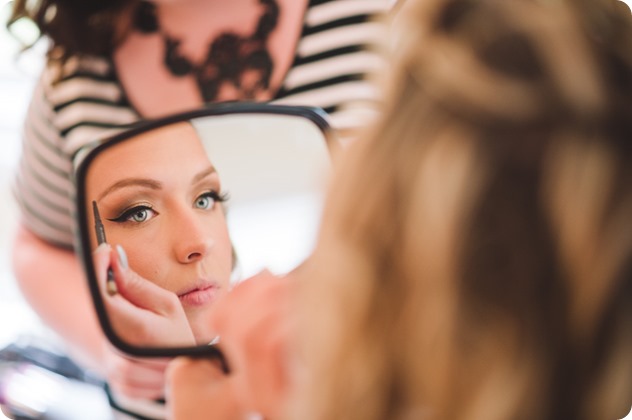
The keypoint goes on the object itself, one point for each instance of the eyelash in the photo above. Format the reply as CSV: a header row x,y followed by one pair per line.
x,y
220,198
125,216
214,195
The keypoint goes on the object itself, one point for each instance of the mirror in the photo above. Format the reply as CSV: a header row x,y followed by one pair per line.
x,y
198,201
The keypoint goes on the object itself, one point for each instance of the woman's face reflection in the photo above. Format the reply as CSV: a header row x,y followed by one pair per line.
x,y
160,197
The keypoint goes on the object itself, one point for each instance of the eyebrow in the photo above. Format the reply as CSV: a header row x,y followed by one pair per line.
x,y
129,182
203,174
150,183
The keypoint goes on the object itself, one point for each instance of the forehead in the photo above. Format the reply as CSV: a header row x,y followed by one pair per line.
x,y
170,151
176,141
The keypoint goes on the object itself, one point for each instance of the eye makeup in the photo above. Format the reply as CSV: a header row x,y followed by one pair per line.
x,y
128,215
111,287
142,212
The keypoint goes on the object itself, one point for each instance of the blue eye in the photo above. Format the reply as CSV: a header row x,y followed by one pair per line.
x,y
138,214
207,200
204,202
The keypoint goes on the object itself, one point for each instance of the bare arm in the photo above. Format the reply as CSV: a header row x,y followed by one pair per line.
x,y
198,389
257,328
52,281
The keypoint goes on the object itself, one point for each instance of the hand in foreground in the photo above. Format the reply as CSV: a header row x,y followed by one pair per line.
x,y
141,313
198,389
255,324
134,377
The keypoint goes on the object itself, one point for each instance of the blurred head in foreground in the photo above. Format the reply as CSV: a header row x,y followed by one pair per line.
x,y
475,258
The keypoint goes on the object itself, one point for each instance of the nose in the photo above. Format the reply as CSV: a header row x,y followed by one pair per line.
x,y
192,237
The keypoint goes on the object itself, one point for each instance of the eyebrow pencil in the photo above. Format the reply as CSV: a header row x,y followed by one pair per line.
x,y
111,287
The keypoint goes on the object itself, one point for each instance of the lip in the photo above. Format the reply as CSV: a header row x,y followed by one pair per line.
x,y
199,295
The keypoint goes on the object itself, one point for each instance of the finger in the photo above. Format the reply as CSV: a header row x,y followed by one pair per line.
x,y
139,377
240,297
261,350
135,325
250,304
140,291
135,379
270,385
101,258
185,370
136,392
163,322
255,327
239,319
157,363
197,387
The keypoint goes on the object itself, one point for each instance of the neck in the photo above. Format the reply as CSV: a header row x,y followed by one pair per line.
x,y
195,22
203,13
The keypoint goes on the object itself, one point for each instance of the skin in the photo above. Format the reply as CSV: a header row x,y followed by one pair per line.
x,y
159,200
189,382
195,22
256,342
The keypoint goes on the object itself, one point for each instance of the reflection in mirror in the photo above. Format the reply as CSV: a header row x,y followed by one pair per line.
x,y
192,206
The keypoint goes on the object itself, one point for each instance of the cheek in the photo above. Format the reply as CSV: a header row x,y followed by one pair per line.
x,y
223,249
148,264
145,252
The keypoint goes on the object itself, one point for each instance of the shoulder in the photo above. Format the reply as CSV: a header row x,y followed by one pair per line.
x,y
341,25
360,6
85,100
335,60
76,77
344,12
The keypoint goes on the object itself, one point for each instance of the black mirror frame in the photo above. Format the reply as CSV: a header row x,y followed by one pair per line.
x,y
313,114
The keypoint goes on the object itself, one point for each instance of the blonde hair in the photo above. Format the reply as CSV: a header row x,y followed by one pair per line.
x,y
475,256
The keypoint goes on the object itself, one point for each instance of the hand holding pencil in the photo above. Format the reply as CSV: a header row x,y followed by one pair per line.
x,y
111,287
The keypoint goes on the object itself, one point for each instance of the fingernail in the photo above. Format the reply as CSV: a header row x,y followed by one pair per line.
x,y
122,257
110,285
101,247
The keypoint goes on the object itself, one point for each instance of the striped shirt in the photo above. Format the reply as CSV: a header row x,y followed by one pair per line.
x,y
88,103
